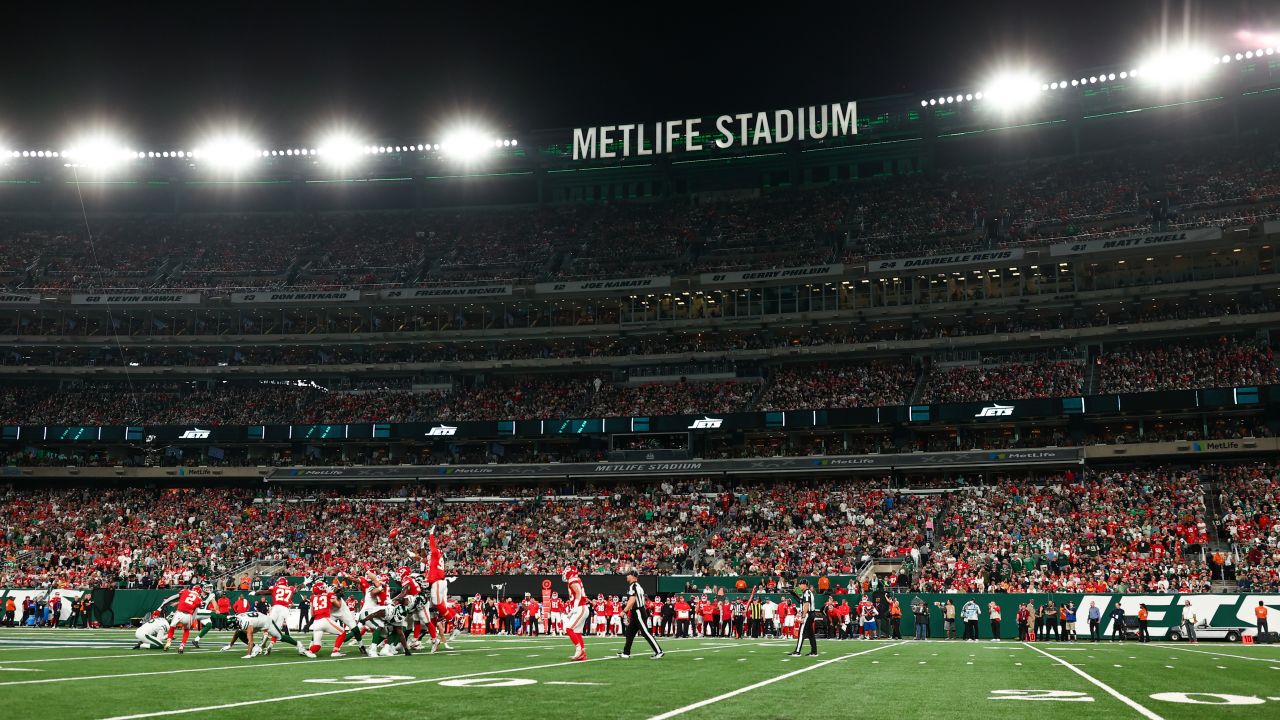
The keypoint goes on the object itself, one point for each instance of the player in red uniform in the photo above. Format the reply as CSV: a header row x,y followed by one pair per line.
x,y
555,615
322,622
415,606
281,604
599,619
477,615
185,615
576,617
441,610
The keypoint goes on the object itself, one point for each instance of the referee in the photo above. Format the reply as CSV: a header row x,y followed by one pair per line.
x,y
637,616
808,618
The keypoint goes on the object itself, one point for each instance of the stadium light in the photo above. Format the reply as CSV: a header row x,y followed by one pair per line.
x,y
227,152
1182,66
99,151
466,144
1013,90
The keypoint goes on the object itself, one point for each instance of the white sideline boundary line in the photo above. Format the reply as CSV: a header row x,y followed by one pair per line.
x,y
1272,660
127,651
365,688
242,665
762,683
1144,712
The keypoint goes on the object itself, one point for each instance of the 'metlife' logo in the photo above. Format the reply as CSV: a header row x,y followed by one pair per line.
x,y
195,434
995,411
706,423
443,430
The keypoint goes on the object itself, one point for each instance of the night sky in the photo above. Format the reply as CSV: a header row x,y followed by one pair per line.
x,y
285,72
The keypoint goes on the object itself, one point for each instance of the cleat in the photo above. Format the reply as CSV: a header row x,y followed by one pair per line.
x,y
337,653
814,654
182,648
446,646
623,656
167,643
227,648
364,650
660,654
137,645
387,652
255,652
196,643
247,657
309,654
267,649
794,654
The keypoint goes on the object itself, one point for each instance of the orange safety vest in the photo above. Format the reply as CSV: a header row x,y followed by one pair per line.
x,y
1261,612
1142,613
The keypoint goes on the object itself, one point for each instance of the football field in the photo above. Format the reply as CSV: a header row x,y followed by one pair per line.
x,y
94,674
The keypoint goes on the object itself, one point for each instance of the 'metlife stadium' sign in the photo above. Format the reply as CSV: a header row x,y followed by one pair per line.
x,y
741,130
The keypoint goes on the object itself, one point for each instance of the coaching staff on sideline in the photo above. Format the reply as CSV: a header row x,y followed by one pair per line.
x,y
808,618
637,617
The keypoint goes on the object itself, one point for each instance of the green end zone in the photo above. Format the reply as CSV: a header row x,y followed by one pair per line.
x,y
699,678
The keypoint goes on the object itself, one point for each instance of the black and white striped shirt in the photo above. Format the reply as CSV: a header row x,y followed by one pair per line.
x,y
637,592
807,597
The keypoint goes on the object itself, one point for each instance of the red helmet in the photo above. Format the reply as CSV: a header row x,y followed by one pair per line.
x,y
196,587
319,588
282,580
569,574
403,572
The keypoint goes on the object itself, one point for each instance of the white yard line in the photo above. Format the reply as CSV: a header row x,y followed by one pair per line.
x,y
762,683
1101,685
364,688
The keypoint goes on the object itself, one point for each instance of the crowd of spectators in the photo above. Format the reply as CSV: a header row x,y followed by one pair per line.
x,y
996,380
1187,364
942,210
1248,500
1136,530
144,537
839,385
1203,363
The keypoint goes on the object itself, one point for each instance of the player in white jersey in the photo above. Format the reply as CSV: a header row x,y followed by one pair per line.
x,y
373,609
244,625
152,633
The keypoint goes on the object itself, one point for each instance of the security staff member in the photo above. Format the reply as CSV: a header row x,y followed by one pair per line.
x,y
637,617
807,613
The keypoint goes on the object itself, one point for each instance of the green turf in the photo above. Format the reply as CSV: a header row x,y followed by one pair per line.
x,y
104,679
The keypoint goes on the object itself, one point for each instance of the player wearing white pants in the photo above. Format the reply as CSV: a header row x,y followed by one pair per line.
x,y
152,634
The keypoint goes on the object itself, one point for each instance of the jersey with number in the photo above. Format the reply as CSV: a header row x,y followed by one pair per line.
x,y
435,561
410,587
254,620
188,601
321,606
155,627
599,606
555,606
282,595
381,597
